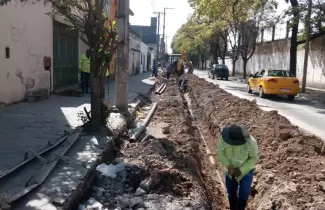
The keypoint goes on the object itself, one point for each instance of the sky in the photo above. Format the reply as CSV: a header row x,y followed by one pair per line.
x,y
144,10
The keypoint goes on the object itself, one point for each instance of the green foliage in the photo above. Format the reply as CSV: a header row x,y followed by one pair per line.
x,y
317,19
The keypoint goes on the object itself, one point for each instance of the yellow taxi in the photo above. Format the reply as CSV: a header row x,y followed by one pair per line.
x,y
273,82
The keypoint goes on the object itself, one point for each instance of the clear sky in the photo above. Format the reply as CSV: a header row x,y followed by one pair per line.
x,y
144,10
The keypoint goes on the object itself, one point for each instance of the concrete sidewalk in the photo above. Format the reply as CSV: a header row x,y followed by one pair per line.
x,y
26,126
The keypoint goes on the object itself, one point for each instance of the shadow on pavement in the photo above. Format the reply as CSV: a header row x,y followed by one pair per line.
x,y
32,125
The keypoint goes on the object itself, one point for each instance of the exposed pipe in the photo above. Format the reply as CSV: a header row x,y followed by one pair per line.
x,y
160,87
145,123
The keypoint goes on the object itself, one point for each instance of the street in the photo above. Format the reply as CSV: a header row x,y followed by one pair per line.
x,y
307,115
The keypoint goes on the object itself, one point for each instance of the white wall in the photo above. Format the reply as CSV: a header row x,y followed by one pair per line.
x,y
144,52
276,55
134,53
28,32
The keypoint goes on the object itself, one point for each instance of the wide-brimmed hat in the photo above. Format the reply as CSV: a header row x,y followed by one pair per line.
x,y
235,134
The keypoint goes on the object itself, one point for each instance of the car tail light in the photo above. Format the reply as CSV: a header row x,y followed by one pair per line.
x,y
296,81
272,80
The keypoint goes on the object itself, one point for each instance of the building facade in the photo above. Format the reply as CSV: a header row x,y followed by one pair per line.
x,y
39,51
148,33
144,57
134,53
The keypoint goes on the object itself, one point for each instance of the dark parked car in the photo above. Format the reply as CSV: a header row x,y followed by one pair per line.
x,y
219,70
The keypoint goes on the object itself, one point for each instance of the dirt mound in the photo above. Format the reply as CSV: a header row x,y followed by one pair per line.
x,y
291,170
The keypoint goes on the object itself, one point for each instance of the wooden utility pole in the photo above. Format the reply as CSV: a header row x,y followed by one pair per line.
x,y
304,76
122,72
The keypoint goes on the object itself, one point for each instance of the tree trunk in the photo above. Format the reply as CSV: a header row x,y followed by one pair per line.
x,y
95,99
233,66
244,67
294,38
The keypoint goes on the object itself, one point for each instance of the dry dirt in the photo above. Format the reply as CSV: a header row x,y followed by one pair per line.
x,y
291,172
166,170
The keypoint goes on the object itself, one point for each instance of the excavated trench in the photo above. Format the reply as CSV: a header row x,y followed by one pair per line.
x,y
175,165
290,174
167,170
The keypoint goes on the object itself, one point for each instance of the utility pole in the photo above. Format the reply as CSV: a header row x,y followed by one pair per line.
x,y
158,36
304,76
164,26
121,75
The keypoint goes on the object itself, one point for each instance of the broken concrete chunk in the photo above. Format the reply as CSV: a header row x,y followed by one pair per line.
x,y
146,184
123,201
134,201
140,192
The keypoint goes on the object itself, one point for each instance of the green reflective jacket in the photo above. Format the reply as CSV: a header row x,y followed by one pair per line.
x,y
243,157
84,64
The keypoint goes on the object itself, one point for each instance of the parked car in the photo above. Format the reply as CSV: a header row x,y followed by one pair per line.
x,y
219,70
274,82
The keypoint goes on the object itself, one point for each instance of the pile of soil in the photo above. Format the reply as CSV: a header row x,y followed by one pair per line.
x,y
291,171
163,172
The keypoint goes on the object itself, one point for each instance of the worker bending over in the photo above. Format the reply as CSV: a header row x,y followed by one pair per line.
x,y
238,152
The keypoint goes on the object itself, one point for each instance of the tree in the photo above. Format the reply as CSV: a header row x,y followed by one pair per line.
x,y
229,15
99,33
191,38
298,12
249,30
247,41
304,78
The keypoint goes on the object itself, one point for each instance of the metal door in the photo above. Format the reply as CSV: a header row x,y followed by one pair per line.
x,y
65,55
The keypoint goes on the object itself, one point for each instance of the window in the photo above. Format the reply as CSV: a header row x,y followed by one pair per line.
x,y
279,73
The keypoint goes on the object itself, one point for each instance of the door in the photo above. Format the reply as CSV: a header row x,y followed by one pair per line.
x,y
65,55
253,81
260,78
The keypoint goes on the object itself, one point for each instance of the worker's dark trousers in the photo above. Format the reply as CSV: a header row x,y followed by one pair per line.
x,y
84,77
168,75
238,193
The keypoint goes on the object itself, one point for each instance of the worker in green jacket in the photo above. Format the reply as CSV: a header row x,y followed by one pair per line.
x,y
238,152
84,68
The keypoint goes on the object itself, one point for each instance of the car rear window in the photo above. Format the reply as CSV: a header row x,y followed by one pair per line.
x,y
279,73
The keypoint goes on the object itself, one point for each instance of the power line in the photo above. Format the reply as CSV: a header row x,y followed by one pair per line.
x,y
153,5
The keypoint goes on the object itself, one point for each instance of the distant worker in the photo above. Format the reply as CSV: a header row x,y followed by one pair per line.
x,y
154,68
169,70
238,152
84,68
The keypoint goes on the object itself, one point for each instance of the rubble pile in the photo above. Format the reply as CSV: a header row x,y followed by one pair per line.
x,y
291,172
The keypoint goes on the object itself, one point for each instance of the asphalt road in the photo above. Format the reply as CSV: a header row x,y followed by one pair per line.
x,y
307,115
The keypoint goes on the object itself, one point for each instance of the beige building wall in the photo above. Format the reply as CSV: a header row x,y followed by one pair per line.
x,y
27,31
28,34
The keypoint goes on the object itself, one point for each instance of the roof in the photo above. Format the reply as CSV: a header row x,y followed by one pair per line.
x,y
131,12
